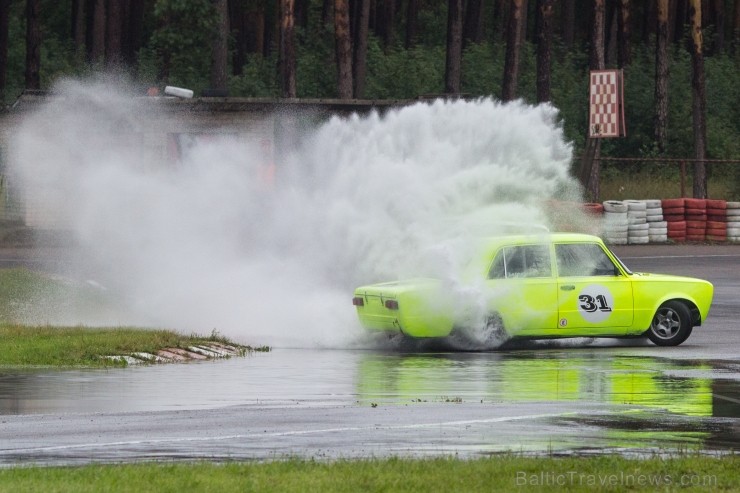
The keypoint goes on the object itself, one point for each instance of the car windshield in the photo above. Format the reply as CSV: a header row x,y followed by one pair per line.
x,y
619,260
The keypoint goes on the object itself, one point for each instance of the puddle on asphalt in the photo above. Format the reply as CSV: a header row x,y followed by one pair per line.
x,y
593,376
649,400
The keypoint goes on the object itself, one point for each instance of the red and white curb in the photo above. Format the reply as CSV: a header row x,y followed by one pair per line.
x,y
201,352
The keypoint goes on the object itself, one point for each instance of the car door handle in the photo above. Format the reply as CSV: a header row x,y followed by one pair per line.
x,y
568,287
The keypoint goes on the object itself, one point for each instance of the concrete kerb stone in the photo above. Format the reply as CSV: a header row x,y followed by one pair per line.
x,y
201,352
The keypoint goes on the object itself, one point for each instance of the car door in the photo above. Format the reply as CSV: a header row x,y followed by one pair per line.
x,y
523,288
593,293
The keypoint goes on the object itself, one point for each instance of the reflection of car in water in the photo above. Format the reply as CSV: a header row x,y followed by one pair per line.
x,y
510,377
540,286
643,405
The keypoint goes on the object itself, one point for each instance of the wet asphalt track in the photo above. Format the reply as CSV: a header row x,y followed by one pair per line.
x,y
564,397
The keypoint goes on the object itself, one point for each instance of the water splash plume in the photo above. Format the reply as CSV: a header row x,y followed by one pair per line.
x,y
206,244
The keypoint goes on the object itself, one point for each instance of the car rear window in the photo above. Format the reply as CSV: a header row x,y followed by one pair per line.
x,y
521,261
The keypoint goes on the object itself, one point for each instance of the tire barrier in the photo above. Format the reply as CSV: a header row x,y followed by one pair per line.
x,y
616,225
615,206
716,231
696,219
593,209
676,231
657,226
637,222
674,213
732,216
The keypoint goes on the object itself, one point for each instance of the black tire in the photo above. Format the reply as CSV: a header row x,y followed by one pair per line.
x,y
491,336
494,334
671,324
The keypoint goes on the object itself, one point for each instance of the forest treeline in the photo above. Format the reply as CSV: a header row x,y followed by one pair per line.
x,y
681,57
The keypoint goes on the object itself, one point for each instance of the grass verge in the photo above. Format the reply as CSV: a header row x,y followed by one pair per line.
x,y
497,473
27,295
31,297
84,346
648,185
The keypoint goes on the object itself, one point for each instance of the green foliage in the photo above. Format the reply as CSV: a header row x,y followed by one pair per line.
x,y
527,81
404,74
432,24
257,79
723,102
148,69
680,122
16,53
568,87
483,69
176,51
316,66
182,40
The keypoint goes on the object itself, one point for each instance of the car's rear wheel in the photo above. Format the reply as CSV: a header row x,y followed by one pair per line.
x,y
486,337
493,334
671,324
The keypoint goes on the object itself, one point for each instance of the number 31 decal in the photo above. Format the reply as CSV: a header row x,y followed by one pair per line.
x,y
595,303
591,304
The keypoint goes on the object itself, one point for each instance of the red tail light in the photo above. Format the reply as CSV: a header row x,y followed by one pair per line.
x,y
358,301
391,304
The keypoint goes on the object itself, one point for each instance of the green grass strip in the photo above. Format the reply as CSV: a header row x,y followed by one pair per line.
x,y
83,346
497,473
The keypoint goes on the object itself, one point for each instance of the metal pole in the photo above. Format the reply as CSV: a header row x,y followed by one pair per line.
x,y
683,179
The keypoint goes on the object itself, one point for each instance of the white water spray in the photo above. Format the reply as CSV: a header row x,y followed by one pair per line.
x,y
207,245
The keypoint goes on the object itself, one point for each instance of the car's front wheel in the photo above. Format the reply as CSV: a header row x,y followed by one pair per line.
x,y
671,324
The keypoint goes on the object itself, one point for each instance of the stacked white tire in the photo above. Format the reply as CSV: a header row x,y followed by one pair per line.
x,y
637,226
616,226
657,227
733,221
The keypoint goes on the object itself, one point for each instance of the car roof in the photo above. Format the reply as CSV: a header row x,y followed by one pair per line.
x,y
543,238
491,244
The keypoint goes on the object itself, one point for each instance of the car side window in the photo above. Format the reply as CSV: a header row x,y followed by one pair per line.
x,y
521,261
583,259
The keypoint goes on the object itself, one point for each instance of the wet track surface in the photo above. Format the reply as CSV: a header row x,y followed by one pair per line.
x,y
572,396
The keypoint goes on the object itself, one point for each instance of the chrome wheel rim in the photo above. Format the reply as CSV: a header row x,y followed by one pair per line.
x,y
666,324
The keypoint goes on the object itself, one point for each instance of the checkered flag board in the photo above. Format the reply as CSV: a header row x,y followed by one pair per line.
x,y
606,108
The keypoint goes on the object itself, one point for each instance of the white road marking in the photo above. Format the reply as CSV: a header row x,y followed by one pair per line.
x,y
290,433
684,256
725,398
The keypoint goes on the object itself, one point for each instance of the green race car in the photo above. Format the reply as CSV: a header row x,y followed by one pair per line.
x,y
550,285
